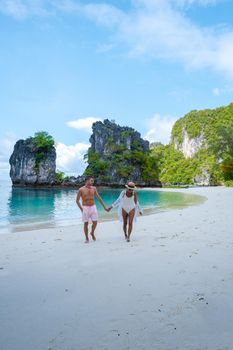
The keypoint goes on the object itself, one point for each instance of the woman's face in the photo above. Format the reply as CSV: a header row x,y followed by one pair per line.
x,y
129,191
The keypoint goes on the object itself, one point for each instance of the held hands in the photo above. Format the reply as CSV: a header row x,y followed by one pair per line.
x,y
108,209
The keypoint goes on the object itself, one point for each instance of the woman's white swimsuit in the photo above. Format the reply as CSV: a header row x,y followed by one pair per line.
x,y
128,203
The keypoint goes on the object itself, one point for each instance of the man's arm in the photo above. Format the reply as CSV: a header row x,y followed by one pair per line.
x,y
100,199
78,199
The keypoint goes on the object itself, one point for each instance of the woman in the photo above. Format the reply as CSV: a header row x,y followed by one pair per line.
x,y
128,208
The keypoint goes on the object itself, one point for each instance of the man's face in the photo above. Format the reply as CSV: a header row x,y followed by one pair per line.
x,y
90,182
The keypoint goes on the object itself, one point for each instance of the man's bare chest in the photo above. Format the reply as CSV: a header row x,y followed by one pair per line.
x,y
88,192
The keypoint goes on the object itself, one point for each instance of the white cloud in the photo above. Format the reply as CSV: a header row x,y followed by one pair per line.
x,y
102,48
70,158
160,29
22,9
189,3
83,123
6,148
4,171
224,90
159,128
216,91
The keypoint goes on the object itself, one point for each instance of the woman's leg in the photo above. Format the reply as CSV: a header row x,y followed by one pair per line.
x,y
125,219
131,217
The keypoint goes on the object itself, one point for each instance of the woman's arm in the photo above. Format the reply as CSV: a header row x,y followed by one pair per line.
x,y
117,202
137,203
135,198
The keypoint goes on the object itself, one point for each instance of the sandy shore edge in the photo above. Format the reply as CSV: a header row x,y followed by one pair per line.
x,y
170,288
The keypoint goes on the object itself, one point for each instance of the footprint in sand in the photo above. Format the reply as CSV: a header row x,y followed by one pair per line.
x,y
200,297
56,341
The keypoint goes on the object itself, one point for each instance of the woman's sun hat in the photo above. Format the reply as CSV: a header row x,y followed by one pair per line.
x,y
131,186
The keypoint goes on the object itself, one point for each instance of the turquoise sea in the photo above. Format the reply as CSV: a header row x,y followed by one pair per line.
x,y
26,208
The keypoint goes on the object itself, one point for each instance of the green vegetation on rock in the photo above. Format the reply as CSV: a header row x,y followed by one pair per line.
x,y
215,155
42,140
174,169
205,122
43,143
60,176
97,166
123,156
39,156
122,159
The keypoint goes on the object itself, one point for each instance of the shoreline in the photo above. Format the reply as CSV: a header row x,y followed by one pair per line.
x,y
72,186
169,288
103,217
113,186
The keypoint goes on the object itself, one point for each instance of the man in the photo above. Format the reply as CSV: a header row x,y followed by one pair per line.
x,y
88,207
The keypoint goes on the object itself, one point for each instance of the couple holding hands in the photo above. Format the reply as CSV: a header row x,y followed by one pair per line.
x,y
127,202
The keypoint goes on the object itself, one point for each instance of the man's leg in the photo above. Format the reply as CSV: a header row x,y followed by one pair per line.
x,y
86,231
93,227
131,217
125,219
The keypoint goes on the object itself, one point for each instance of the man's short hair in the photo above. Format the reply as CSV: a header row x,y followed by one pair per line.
x,y
88,177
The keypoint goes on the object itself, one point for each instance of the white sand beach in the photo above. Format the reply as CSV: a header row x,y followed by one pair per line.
x,y
170,288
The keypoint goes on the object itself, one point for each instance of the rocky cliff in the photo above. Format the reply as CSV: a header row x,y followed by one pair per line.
x,y
200,147
117,155
107,135
197,129
189,146
30,165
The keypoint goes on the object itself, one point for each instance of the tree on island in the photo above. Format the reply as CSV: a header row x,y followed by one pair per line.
x,y
222,145
43,143
42,140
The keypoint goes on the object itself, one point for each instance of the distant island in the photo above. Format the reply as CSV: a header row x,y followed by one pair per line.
x,y
200,153
33,161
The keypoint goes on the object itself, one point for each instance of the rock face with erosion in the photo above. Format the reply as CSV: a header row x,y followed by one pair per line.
x,y
203,179
189,146
106,134
32,166
116,155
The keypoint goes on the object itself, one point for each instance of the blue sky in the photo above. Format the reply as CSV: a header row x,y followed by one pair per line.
x,y
143,63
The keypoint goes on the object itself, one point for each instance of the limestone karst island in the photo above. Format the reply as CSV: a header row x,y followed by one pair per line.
x,y
200,153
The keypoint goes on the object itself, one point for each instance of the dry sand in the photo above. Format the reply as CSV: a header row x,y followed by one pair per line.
x,y
170,288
